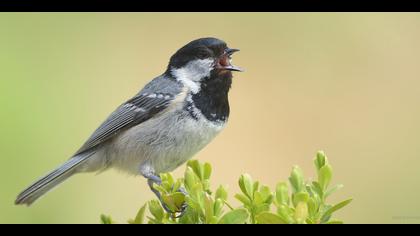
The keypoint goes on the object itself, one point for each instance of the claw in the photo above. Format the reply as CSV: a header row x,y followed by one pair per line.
x,y
175,214
182,211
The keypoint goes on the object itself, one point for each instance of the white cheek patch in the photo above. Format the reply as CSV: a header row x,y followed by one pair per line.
x,y
191,74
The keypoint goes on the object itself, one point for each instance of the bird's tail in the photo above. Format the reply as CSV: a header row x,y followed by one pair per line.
x,y
51,180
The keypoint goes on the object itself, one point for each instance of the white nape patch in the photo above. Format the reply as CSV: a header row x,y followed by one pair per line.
x,y
191,74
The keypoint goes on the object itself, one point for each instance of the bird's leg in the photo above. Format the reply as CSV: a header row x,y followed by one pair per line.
x,y
154,179
158,181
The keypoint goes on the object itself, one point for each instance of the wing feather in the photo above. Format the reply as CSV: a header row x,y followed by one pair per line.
x,y
135,111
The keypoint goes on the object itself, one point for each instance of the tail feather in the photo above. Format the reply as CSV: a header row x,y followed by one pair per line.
x,y
51,180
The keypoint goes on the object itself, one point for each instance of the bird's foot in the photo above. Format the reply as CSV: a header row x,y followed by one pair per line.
x,y
176,210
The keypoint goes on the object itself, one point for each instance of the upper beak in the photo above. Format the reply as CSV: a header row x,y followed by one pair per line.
x,y
230,51
231,67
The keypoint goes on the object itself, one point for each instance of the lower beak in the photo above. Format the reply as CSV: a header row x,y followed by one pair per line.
x,y
233,68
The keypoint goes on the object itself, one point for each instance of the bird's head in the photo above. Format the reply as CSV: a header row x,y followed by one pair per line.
x,y
203,58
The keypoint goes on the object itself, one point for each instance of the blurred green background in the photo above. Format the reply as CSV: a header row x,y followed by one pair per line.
x,y
346,83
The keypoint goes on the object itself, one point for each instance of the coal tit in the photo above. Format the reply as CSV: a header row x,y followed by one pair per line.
x,y
165,124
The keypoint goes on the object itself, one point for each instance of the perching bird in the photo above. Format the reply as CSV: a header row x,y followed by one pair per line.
x,y
165,124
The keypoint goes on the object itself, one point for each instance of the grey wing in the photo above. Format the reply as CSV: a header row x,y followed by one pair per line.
x,y
135,111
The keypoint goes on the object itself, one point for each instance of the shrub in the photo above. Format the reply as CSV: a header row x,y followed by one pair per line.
x,y
304,202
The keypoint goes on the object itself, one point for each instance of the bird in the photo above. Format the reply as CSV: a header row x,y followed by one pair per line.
x,y
164,125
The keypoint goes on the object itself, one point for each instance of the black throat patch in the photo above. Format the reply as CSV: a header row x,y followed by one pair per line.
x,y
212,99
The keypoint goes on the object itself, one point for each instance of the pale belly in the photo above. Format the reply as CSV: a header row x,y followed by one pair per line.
x,y
161,144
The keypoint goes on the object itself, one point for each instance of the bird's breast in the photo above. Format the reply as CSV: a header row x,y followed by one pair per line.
x,y
165,142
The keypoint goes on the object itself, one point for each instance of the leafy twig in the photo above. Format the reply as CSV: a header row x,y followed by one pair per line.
x,y
306,203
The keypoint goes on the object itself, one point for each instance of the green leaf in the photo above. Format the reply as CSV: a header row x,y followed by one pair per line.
x,y
335,222
197,168
312,207
190,179
167,178
209,208
297,180
286,214
221,193
310,221
159,188
177,185
190,217
255,187
106,220
156,210
301,212
320,160
206,186
207,170
263,196
246,185
238,216
197,193
244,199
282,193
140,215
266,194
301,197
333,189
325,219
214,220
324,176
269,218
316,187
193,204
218,207
333,209
261,208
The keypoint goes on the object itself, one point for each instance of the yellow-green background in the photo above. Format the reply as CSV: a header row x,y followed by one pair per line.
x,y
346,83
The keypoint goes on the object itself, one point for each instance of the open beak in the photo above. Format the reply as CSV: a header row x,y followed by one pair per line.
x,y
225,61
